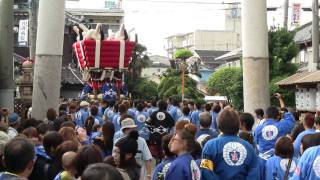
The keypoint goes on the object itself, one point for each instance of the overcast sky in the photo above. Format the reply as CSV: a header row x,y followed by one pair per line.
x,y
154,20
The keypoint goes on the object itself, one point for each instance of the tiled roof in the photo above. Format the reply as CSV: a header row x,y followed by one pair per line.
x,y
67,77
208,56
303,35
234,54
301,78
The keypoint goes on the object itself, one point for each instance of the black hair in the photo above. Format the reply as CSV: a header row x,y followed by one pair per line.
x,y
310,140
198,105
207,107
259,112
297,129
247,137
162,105
57,123
18,153
42,128
94,110
88,124
272,112
153,103
186,110
51,141
128,145
101,171
216,108
247,120
140,106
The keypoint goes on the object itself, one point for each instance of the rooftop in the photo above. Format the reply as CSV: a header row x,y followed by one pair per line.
x,y
304,77
208,56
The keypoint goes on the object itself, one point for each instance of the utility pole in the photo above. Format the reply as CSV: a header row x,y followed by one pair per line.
x,y
285,14
315,36
255,55
47,72
6,55
33,17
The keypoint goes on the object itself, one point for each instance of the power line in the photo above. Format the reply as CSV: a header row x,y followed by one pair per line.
x,y
185,2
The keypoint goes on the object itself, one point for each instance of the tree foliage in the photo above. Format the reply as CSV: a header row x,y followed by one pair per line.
x,y
170,85
144,89
287,94
140,60
182,54
228,82
137,86
282,49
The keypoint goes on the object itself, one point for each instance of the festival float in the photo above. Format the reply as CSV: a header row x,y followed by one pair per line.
x,y
103,61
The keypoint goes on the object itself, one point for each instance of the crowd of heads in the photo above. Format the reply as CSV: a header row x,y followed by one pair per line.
x,y
98,140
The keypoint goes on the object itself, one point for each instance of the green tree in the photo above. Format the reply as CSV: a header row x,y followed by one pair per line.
x,y
143,88
140,60
282,49
170,85
228,82
182,54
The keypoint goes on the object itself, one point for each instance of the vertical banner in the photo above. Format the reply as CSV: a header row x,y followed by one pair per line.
x,y
296,13
23,33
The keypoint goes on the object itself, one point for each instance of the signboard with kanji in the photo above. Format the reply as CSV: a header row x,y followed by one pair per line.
x,y
23,33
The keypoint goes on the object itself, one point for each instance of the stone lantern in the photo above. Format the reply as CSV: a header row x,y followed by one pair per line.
x,y
25,81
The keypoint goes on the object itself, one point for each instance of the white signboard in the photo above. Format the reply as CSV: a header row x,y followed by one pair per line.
x,y
23,33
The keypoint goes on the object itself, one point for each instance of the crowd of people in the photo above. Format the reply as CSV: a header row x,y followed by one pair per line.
x,y
159,140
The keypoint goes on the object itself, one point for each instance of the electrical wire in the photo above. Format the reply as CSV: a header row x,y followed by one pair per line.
x,y
185,2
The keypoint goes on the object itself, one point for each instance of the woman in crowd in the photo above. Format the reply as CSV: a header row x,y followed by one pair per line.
x,y
124,153
68,134
283,164
161,169
105,140
182,144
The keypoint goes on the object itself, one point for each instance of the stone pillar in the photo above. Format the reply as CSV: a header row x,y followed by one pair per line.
x,y
49,50
255,55
33,17
6,55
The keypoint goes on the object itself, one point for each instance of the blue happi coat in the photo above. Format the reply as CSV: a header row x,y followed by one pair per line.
x,y
109,92
81,116
183,168
228,157
297,141
175,112
275,168
266,134
195,117
161,169
140,119
85,91
308,167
